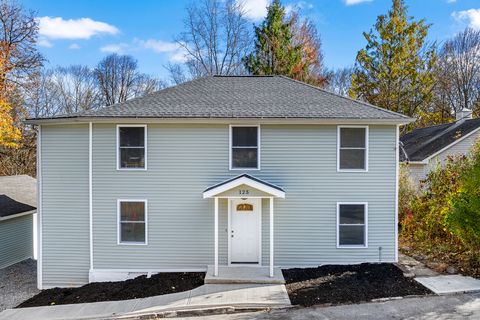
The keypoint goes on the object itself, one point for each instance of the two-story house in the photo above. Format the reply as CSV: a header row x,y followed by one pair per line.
x,y
259,171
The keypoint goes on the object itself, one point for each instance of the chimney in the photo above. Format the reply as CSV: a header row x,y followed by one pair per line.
x,y
464,114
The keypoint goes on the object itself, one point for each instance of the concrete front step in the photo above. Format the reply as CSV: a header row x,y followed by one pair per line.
x,y
244,274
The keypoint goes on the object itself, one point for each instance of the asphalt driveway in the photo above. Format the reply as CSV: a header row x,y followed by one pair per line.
x,y
18,283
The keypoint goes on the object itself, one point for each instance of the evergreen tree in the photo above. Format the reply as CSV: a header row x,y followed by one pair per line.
x,y
275,52
395,69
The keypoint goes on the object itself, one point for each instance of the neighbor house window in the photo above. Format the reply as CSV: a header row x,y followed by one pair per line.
x,y
352,224
352,148
132,219
131,142
244,151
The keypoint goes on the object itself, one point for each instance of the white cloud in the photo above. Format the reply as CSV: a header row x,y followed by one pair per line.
x,y
158,46
255,9
174,51
114,48
43,42
83,28
354,2
451,1
472,16
74,46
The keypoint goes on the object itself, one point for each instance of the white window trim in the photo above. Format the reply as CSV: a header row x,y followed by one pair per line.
x,y
118,146
366,148
258,146
365,204
132,243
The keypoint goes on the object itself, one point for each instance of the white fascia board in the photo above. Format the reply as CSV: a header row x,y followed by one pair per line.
x,y
246,181
17,215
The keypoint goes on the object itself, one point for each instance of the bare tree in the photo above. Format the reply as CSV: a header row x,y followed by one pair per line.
x,y
118,79
216,38
18,31
176,72
40,95
76,88
340,81
458,71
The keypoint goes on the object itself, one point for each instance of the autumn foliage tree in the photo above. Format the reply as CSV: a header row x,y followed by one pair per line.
x,y
395,69
287,45
10,135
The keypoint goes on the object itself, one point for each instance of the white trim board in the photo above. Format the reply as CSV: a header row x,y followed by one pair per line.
x,y
247,181
18,215
39,210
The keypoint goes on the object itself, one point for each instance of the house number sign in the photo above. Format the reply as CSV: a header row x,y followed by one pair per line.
x,y
243,191
244,207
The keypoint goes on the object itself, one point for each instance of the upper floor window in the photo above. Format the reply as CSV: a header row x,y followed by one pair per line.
x,y
352,225
131,147
244,147
132,219
352,153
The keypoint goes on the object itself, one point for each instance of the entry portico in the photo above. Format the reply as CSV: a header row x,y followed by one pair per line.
x,y
244,194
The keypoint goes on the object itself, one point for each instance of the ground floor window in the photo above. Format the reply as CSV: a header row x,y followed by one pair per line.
x,y
352,224
132,221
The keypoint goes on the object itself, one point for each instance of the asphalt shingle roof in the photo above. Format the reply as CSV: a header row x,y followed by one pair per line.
x,y
422,143
242,97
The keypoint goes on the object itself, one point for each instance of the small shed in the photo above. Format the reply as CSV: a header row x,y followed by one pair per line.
x,y
17,219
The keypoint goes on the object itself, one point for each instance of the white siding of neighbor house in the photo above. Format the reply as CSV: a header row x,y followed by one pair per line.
x,y
420,171
65,223
183,160
16,240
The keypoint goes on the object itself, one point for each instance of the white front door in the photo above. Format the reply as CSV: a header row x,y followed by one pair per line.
x,y
245,231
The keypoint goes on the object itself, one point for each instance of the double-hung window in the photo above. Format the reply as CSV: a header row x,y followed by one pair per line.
x,y
352,150
244,147
132,220
131,147
352,225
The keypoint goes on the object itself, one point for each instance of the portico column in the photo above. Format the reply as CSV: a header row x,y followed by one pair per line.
x,y
216,238
271,236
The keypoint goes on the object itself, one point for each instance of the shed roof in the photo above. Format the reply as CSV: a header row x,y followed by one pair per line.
x,y
220,97
17,195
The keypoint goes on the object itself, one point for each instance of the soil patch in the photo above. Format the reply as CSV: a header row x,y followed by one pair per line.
x,y
337,284
140,287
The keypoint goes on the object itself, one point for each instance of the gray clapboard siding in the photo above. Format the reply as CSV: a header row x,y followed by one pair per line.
x,y
16,240
65,219
183,160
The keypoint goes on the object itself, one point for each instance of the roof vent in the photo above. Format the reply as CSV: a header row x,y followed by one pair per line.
x,y
464,114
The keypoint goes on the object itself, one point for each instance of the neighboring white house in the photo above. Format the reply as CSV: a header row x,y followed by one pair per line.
x,y
423,149
17,219
256,171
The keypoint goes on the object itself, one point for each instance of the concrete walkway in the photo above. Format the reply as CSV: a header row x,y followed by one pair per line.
x,y
436,282
206,296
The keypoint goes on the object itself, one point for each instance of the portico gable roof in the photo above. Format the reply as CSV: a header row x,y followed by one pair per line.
x,y
244,179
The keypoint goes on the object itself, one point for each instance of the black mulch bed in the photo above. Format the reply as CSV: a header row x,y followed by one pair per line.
x,y
140,287
337,284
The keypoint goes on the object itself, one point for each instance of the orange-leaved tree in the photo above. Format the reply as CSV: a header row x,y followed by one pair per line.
x,y
10,135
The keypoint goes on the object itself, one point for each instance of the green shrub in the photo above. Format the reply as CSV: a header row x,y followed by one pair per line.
x,y
463,220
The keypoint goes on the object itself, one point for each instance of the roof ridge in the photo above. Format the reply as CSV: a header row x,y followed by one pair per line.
x,y
344,97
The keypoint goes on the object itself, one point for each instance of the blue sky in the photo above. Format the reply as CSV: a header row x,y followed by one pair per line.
x,y
82,32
